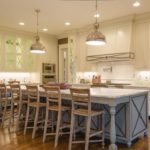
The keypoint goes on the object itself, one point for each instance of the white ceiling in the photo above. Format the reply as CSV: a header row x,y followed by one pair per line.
x,y
55,12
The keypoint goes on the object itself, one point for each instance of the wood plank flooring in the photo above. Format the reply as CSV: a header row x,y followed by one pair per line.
x,y
12,141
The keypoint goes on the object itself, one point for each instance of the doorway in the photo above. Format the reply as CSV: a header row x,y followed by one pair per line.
x,y
63,63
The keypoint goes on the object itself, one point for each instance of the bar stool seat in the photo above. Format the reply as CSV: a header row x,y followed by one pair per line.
x,y
37,104
56,108
16,101
84,112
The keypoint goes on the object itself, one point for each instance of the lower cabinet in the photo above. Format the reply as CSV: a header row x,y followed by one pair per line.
x,y
130,119
142,88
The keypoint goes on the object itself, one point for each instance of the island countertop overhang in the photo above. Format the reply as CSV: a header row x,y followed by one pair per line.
x,y
111,93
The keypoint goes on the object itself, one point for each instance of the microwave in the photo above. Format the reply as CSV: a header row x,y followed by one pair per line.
x,y
48,68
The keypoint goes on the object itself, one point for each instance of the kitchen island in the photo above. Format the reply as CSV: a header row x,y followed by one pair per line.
x,y
126,113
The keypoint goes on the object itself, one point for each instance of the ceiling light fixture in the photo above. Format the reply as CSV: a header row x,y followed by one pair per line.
x,y
45,29
37,47
96,37
21,23
97,15
67,23
136,4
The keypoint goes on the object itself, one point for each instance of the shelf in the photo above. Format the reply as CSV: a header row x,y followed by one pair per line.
x,y
112,57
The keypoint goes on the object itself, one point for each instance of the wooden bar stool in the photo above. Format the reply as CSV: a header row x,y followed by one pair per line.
x,y
3,102
54,104
81,106
21,100
15,102
33,103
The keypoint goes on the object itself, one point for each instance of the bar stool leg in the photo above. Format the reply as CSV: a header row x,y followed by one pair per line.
x,y
103,129
58,128
35,122
4,113
18,117
11,114
26,120
46,124
52,117
87,132
71,131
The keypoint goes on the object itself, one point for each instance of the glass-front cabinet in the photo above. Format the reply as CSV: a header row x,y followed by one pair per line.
x,y
15,54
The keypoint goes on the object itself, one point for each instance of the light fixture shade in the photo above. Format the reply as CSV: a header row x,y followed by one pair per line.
x,y
96,38
37,47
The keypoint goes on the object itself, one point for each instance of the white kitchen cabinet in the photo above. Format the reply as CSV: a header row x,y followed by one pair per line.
x,y
142,45
14,53
118,38
124,38
142,88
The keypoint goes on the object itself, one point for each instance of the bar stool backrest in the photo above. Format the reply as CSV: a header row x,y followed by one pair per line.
x,y
15,91
14,82
81,98
53,95
3,91
33,93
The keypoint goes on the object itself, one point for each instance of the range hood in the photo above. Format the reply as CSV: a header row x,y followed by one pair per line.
x,y
119,43
126,56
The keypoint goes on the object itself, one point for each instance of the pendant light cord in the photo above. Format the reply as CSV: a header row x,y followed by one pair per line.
x,y
37,11
96,25
96,11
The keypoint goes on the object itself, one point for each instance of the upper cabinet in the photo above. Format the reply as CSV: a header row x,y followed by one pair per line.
x,y
14,53
142,44
118,37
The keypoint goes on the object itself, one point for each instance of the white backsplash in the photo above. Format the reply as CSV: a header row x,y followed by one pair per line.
x,y
118,72
23,77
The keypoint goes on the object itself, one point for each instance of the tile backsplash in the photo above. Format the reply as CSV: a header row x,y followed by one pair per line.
x,y
119,72
23,77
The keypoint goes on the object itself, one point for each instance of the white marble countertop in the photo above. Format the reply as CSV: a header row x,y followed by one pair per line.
x,y
138,86
111,92
133,85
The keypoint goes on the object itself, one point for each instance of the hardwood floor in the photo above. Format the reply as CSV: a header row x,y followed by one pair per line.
x,y
12,141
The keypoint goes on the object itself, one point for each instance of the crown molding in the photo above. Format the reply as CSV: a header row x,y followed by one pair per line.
x,y
145,17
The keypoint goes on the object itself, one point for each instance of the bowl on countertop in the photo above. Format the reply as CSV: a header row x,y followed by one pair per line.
x,y
61,85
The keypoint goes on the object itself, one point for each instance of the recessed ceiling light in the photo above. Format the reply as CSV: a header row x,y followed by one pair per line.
x,y
21,23
136,4
67,23
97,15
45,29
